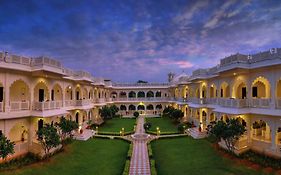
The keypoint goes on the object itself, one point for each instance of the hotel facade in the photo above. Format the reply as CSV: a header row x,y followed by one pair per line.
x,y
34,91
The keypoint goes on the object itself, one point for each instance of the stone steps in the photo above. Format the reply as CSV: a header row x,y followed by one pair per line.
x,y
196,134
87,134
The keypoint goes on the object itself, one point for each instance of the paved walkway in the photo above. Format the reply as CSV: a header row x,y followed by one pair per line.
x,y
140,161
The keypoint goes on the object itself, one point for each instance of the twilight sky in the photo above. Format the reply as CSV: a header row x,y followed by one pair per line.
x,y
138,39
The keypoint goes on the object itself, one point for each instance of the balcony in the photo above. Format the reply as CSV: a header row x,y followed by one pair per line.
x,y
68,103
278,103
49,105
19,105
84,102
233,103
260,102
213,101
142,99
99,100
108,99
1,107
198,100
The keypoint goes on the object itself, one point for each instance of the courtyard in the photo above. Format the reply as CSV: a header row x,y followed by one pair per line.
x,y
115,125
186,155
164,124
95,156
178,155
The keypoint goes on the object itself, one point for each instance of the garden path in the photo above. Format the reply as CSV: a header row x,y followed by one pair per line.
x,y
140,160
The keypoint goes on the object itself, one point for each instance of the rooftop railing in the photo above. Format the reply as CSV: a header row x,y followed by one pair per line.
x,y
41,61
139,84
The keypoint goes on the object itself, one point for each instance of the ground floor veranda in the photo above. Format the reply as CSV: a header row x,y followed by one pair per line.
x,y
22,131
263,132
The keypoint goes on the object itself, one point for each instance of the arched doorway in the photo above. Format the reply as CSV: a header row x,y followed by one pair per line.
x,y
261,88
261,130
225,90
41,92
77,117
213,90
19,96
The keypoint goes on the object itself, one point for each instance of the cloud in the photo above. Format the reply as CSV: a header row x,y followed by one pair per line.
x,y
219,14
179,63
129,41
189,12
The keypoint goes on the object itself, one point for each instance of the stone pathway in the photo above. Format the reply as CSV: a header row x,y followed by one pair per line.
x,y
140,161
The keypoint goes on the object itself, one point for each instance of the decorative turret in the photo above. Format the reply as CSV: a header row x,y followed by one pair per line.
x,y
171,76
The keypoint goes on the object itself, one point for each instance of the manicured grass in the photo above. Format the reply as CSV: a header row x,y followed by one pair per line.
x,y
116,124
95,156
165,124
195,157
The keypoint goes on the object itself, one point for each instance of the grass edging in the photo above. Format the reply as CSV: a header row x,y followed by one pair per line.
x,y
114,133
152,164
128,161
162,133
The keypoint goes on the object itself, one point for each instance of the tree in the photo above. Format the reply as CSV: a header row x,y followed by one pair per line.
x,y
48,138
173,113
176,114
141,81
114,109
229,131
167,111
136,114
66,127
147,126
108,112
6,147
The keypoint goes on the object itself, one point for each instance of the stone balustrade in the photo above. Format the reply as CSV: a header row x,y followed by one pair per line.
x,y
1,107
19,105
278,103
48,105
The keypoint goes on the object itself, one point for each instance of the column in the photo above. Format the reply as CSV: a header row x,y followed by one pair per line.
x,y
6,93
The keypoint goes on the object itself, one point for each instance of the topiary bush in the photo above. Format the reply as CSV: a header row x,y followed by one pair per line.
x,y
147,126
136,114
181,127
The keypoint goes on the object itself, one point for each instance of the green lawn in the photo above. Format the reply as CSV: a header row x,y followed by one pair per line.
x,y
95,156
165,124
116,124
195,157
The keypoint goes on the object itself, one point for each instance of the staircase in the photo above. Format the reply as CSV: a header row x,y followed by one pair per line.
x,y
87,134
196,134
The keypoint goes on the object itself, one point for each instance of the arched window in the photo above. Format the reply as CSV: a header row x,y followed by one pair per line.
x,y
123,94
141,107
149,94
123,108
141,94
132,107
158,107
149,107
158,94
132,94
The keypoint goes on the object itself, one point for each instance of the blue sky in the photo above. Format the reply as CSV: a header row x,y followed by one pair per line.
x,y
130,40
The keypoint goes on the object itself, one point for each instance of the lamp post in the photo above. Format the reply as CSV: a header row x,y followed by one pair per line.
x,y
158,131
97,129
